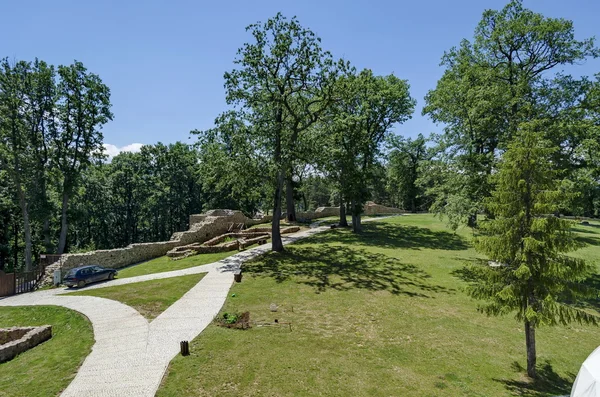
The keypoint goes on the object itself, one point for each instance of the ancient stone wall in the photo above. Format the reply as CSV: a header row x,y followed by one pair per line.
x,y
199,218
28,337
203,227
371,208
321,212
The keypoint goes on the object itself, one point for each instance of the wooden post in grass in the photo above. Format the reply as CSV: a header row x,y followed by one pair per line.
x,y
185,348
237,276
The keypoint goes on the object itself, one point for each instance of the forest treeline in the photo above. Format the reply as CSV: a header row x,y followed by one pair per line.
x,y
302,130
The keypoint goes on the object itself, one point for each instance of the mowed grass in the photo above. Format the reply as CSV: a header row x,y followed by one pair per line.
x,y
48,368
149,298
376,314
166,264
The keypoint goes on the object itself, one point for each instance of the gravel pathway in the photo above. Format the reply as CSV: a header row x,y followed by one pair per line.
x,y
131,355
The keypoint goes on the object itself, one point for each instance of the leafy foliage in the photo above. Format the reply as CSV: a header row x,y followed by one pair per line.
x,y
281,87
404,166
493,84
357,124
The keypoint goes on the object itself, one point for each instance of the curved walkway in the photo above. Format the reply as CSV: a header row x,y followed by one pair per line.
x,y
131,355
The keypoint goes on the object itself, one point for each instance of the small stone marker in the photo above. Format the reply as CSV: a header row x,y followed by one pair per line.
x,y
273,307
237,276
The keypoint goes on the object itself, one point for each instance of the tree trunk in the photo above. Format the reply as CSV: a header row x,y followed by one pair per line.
x,y
16,244
472,221
356,225
305,202
46,233
46,208
276,243
343,220
62,241
531,354
4,240
289,200
26,228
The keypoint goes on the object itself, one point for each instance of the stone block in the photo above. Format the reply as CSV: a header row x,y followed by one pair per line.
x,y
16,340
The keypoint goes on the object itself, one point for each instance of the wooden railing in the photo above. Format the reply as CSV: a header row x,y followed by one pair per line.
x,y
28,281
7,284
20,282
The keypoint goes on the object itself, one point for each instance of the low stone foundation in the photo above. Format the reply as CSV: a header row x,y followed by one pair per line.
x,y
16,340
244,239
244,234
370,209
321,212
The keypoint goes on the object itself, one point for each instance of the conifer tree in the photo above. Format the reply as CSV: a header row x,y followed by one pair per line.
x,y
532,275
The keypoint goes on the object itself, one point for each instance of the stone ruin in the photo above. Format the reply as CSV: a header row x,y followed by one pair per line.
x,y
16,340
203,227
370,209
228,242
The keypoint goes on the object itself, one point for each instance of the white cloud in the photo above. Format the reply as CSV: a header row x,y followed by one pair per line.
x,y
112,150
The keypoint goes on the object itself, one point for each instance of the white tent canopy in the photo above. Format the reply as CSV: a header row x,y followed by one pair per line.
x,y
587,383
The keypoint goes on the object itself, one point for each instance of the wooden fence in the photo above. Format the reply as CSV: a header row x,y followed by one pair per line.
x,y
7,284
28,281
19,282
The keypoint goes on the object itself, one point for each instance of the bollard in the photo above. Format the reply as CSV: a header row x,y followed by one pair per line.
x,y
185,348
237,276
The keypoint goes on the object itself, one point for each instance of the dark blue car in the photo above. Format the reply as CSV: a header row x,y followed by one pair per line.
x,y
81,276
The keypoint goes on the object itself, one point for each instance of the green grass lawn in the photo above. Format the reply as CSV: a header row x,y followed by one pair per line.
x,y
166,264
48,368
376,314
149,298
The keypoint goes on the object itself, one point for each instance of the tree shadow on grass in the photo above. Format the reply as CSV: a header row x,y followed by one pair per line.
x,y
587,240
582,228
343,268
592,283
548,383
386,235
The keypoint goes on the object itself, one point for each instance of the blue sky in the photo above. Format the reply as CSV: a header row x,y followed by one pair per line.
x,y
164,60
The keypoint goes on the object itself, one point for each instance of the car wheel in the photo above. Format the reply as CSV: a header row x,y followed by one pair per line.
x,y
81,284
111,276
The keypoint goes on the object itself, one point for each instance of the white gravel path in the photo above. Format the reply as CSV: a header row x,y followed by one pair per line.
x,y
130,354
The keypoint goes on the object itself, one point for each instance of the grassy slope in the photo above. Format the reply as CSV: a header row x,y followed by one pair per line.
x,y
165,264
375,315
48,368
149,298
